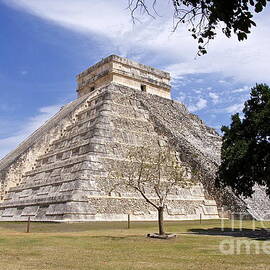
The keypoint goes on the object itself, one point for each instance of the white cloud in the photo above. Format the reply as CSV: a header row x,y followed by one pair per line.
x,y
241,90
246,61
235,108
102,17
199,80
201,104
181,96
27,128
222,81
214,97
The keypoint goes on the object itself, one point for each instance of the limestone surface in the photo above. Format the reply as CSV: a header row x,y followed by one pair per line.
x,y
58,175
59,172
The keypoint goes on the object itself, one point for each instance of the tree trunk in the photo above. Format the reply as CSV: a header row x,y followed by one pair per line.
x,y
161,221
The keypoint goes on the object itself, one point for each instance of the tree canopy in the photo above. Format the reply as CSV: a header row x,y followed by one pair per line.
x,y
205,17
245,153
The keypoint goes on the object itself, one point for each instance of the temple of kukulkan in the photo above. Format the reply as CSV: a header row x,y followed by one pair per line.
x,y
57,174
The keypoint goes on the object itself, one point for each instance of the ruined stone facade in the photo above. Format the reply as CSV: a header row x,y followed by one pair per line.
x,y
57,173
119,70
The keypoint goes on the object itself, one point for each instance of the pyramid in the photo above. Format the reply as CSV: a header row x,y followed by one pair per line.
x,y
57,174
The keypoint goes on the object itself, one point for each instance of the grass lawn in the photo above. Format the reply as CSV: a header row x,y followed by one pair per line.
x,y
101,245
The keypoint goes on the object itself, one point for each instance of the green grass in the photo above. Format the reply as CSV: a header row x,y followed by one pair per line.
x,y
109,245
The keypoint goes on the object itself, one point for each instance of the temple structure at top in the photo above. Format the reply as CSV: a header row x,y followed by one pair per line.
x,y
125,72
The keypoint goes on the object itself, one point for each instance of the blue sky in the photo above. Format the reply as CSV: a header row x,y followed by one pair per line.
x,y
45,43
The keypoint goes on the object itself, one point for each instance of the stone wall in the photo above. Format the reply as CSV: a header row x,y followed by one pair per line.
x,y
66,182
115,69
24,157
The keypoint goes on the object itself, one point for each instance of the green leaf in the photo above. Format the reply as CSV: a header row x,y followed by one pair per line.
x,y
200,40
258,7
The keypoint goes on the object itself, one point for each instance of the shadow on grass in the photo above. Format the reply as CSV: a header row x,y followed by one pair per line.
x,y
257,234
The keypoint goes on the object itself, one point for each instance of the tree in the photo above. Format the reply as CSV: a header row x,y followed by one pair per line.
x,y
245,152
204,17
152,172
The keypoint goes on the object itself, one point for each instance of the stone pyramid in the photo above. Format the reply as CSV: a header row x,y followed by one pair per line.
x,y
56,174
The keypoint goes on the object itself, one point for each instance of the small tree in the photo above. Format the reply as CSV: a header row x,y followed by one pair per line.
x,y
153,173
